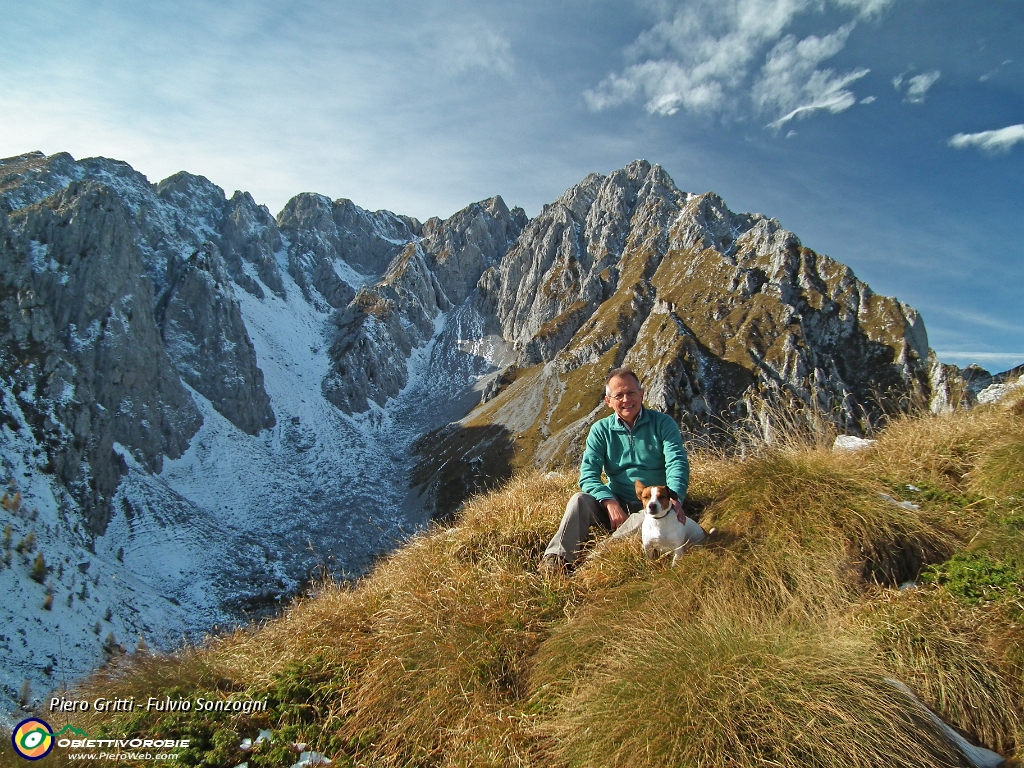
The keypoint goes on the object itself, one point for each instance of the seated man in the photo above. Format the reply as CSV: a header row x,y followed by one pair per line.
x,y
633,443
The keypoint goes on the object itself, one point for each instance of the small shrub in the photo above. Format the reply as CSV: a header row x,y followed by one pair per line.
x,y
27,544
39,569
12,503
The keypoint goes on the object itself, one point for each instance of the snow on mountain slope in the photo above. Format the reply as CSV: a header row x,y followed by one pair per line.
x,y
237,521
65,598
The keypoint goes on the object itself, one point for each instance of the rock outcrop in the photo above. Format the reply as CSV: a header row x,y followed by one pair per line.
x,y
117,295
461,248
378,329
335,247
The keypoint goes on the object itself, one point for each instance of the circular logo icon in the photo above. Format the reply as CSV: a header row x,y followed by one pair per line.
x,y
32,738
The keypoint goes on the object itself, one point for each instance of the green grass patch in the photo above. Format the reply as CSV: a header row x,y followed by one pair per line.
x,y
976,577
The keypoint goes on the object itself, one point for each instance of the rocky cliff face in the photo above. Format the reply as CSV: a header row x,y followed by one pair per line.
x,y
186,379
83,344
207,342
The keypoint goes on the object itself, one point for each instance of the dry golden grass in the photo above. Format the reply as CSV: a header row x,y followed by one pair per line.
x,y
716,690
771,645
954,657
942,449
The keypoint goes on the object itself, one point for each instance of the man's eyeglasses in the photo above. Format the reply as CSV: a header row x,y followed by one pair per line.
x,y
630,393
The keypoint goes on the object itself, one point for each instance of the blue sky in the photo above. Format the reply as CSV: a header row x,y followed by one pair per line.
x,y
888,134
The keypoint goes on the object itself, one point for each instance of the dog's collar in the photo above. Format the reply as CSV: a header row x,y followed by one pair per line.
x,y
662,517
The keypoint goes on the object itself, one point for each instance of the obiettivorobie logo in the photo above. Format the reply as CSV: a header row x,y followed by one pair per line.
x,y
32,738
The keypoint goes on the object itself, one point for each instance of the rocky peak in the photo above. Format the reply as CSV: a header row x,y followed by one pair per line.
x,y
335,247
476,238
29,178
249,236
567,261
187,191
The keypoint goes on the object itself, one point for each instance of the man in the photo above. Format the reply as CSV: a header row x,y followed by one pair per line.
x,y
633,443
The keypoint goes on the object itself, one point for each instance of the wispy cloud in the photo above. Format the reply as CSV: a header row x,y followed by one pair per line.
x,y
991,72
974,318
990,141
728,57
790,81
917,87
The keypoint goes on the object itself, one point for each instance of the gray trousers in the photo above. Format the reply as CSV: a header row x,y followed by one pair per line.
x,y
583,512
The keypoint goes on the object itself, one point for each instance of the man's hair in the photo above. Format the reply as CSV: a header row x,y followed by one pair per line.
x,y
616,373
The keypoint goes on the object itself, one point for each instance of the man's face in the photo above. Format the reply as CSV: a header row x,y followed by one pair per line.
x,y
625,398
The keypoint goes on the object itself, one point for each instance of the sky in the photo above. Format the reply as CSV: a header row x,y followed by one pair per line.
x,y
887,134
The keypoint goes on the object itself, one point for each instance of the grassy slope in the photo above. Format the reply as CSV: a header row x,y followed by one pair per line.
x,y
771,645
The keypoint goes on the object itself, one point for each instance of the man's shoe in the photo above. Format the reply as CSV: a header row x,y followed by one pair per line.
x,y
553,565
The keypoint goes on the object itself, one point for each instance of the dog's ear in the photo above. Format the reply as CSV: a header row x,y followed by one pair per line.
x,y
639,488
672,494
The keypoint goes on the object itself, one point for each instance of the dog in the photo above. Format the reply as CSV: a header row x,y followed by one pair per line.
x,y
662,531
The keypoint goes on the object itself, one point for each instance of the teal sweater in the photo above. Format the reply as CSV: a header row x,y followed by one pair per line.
x,y
652,452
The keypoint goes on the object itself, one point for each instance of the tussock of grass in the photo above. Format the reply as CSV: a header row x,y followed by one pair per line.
x,y
813,525
942,450
673,691
770,645
948,653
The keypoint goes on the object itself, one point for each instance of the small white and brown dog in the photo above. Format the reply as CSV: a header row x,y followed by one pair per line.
x,y
662,531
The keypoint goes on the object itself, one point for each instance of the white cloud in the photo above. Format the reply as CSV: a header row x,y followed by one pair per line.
x,y
991,72
868,100
709,56
866,8
791,83
917,86
990,141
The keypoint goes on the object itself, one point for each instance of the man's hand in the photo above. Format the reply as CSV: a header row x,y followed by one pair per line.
x,y
678,507
616,515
